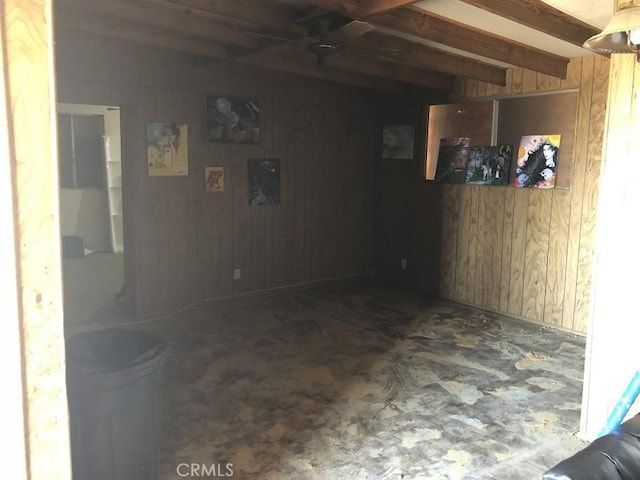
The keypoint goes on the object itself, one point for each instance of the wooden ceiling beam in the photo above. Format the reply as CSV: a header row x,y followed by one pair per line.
x,y
371,7
540,16
349,8
243,13
391,71
303,63
345,62
162,17
72,19
382,46
437,29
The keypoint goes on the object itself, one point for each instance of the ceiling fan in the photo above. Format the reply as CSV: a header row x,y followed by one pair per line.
x,y
330,41
325,33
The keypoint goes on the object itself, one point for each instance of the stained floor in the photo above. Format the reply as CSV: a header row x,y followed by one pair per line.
x,y
365,382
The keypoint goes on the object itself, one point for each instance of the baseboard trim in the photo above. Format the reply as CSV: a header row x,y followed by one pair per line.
x,y
517,317
134,320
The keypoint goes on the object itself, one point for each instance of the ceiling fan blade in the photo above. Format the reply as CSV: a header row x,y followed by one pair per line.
x,y
312,14
278,38
351,30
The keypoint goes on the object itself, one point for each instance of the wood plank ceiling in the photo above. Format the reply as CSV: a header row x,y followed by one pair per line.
x,y
377,44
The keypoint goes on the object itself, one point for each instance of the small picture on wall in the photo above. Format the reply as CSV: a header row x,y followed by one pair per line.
x,y
397,142
233,120
167,149
214,179
453,157
264,181
489,165
537,161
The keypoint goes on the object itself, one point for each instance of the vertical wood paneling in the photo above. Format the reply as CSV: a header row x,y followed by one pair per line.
x,y
547,82
187,242
529,81
296,262
534,258
222,206
557,265
516,80
590,197
464,244
574,74
508,88
496,220
472,268
536,254
483,247
507,245
449,240
577,189
518,252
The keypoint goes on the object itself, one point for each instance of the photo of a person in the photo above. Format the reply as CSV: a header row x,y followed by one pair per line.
x,y
167,149
537,161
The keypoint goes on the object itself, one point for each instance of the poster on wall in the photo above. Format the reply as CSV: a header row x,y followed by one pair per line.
x,y
264,181
453,156
537,161
397,142
214,179
232,120
489,165
167,149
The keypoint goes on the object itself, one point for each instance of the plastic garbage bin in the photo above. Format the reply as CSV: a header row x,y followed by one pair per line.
x,y
114,387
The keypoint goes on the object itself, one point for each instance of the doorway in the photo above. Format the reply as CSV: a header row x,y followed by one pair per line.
x,y
91,214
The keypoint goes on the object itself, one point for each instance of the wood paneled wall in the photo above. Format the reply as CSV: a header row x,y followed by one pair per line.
x,y
182,244
524,252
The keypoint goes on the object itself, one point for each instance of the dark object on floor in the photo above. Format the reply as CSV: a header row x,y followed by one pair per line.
x,y
72,247
613,456
114,380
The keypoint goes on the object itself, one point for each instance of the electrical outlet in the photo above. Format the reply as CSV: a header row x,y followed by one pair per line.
x,y
403,264
236,274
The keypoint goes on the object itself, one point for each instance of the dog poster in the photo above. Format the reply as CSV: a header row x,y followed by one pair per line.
x,y
489,165
167,149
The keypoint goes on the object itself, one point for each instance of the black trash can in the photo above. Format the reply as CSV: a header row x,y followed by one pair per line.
x,y
114,387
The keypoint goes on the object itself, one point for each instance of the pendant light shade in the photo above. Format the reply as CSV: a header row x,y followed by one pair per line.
x,y
621,35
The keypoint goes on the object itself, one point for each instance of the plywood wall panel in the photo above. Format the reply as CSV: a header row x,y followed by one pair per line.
x,y
536,254
507,245
482,247
493,214
448,253
579,170
518,252
534,259
574,74
472,267
547,82
590,197
464,245
557,263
